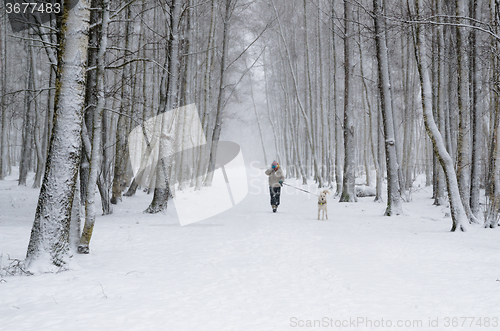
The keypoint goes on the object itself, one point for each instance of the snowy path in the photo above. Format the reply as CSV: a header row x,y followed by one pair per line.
x,y
250,269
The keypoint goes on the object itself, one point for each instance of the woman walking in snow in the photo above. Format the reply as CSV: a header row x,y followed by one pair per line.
x,y
276,179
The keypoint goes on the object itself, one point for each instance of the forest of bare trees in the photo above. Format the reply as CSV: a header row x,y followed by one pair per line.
x,y
344,93
412,88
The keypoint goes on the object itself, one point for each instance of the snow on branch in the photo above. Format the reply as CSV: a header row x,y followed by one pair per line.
x,y
429,20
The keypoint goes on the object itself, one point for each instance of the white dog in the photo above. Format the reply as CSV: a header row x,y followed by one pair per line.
x,y
322,204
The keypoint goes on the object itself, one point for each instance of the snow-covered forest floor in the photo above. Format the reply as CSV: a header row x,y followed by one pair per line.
x,y
250,269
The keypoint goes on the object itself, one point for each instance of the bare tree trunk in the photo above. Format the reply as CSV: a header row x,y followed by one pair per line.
x,y
337,113
122,154
338,148
105,179
463,159
393,192
408,144
3,105
380,158
27,138
168,102
75,222
366,105
49,242
309,95
95,157
477,117
207,90
221,97
145,113
458,215
493,196
348,193
494,106
90,97
38,140
324,173
492,191
440,178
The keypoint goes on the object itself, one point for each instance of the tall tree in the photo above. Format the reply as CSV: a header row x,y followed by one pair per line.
x,y
492,191
169,99
459,218
228,9
3,106
348,194
463,143
440,103
27,137
393,191
337,111
95,157
476,113
122,130
49,243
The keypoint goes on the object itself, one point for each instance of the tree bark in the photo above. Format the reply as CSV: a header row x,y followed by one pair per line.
x,y
3,106
394,206
337,114
220,99
48,248
168,100
95,157
27,138
122,153
463,152
440,178
348,193
459,218
477,118
492,191
40,149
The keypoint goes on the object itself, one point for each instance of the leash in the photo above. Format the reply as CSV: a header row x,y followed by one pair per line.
x,y
300,189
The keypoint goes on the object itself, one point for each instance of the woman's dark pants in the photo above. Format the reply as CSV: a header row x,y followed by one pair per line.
x,y
275,195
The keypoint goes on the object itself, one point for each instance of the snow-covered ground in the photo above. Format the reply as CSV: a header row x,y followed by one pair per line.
x,y
250,269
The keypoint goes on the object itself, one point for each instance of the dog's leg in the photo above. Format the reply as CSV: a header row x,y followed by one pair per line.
x,y
319,211
326,212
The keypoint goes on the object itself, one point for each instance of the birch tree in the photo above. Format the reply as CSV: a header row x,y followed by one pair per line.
x,y
49,243
95,157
